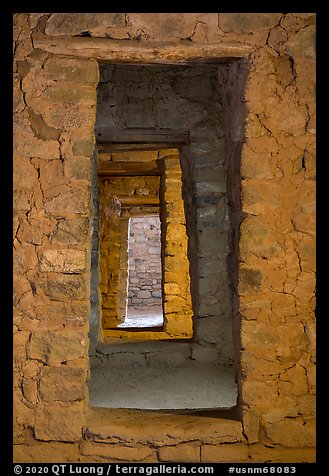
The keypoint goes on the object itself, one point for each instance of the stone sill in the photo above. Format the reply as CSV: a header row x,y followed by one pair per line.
x,y
145,427
118,336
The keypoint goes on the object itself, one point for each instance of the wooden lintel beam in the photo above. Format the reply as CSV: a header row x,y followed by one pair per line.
x,y
134,51
114,147
138,200
106,135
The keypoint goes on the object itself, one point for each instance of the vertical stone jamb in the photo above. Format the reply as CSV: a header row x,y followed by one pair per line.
x,y
177,304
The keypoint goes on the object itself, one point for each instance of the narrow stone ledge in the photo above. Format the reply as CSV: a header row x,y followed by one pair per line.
x,y
224,453
46,452
117,452
160,428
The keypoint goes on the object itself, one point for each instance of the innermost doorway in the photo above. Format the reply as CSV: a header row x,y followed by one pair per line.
x,y
144,282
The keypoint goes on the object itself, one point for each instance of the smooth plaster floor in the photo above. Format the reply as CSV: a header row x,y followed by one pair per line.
x,y
191,386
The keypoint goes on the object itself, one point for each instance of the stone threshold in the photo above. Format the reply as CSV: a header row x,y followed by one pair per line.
x,y
140,426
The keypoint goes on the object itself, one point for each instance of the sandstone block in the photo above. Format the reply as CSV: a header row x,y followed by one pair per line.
x,y
261,394
302,44
292,433
310,330
297,377
76,23
59,423
23,417
296,116
41,129
83,146
204,188
72,95
56,314
63,261
20,342
307,405
237,453
264,454
249,280
55,348
117,452
143,294
73,201
251,425
70,116
70,231
179,324
78,168
62,384
26,144
61,287
183,453
46,453
30,390
77,70
209,329
247,22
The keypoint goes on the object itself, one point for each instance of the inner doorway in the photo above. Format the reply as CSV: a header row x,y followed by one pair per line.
x,y
144,281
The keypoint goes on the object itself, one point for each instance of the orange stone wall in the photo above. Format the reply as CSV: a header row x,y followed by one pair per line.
x,y
274,224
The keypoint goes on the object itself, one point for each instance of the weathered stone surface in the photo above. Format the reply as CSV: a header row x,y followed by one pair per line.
x,y
247,22
55,348
71,231
173,25
116,452
26,144
264,454
162,429
83,146
59,423
55,315
302,44
59,287
71,116
41,129
75,70
63,261
183,453
50,452
250,280
292,433
72,201
224,453
75,95
62,384
78,23
251,425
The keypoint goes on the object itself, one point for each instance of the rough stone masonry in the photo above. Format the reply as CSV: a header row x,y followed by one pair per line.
x,y
271,210
145,276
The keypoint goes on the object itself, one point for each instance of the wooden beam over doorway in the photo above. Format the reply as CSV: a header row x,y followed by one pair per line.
x,y
107,50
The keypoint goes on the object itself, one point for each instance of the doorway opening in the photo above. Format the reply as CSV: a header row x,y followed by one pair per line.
x,y
144,281
161,146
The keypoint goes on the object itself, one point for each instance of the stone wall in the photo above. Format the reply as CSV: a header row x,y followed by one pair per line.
x,y
144,255
54,117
